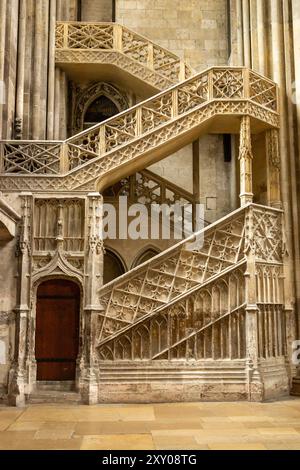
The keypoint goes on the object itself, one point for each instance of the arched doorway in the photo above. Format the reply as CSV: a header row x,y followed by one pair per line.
x,y
113,266
99,110
57,330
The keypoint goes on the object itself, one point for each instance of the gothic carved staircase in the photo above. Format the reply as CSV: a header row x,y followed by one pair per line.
x,y
217,301
169,281
208,312
211,101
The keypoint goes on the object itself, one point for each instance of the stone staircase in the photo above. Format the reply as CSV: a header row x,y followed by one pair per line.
x,y
54,392
205,310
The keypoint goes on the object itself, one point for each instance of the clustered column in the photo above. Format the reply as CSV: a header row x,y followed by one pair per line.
x,y
92,308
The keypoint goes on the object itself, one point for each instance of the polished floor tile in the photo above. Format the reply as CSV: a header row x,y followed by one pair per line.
x,y
202,426
117,442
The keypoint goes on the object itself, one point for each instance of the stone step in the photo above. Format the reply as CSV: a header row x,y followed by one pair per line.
x,y
59,385
53,396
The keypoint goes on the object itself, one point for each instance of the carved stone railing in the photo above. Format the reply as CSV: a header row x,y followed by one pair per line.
x,y
189,328
32,157
151,286
147,132
192,304
148,188
113,43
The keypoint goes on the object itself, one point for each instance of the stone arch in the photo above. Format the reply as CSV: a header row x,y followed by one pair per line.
x,y
144,255
90,94
114,265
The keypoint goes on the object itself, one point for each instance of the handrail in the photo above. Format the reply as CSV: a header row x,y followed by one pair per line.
x,y
109,37
217,90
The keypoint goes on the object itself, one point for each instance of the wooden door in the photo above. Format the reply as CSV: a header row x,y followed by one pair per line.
x,y
57,330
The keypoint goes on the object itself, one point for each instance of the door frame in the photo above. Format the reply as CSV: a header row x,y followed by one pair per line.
x,y
32,364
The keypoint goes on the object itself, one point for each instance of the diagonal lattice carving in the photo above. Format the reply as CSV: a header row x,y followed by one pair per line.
x,y
206,319
168,276
82,42
208,322
32,158
264,93
92,36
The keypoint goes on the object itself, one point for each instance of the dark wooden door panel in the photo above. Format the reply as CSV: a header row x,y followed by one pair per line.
x,y
57,325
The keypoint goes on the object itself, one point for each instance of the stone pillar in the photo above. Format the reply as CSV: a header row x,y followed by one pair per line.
x,y
196,180
245,158
255,386
56,125
18,131
261,36
273,168
239,26
246,34
281,66
296,100
37,71
2,55
51,71
18,374
92,308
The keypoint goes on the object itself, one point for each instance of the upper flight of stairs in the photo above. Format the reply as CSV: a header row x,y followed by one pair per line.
x,y
104,47
211,101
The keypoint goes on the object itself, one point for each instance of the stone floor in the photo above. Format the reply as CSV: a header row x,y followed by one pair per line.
x,y
272,425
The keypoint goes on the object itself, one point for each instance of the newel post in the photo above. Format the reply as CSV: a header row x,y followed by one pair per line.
x,y
254,383
118,37
94,253
245,158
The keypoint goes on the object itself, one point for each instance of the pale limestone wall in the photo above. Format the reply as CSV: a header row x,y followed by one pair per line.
x,y
177,168
196,30
215,178
99,10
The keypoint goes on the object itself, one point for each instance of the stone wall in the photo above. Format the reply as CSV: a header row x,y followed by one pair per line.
x,y
196,30
96,11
